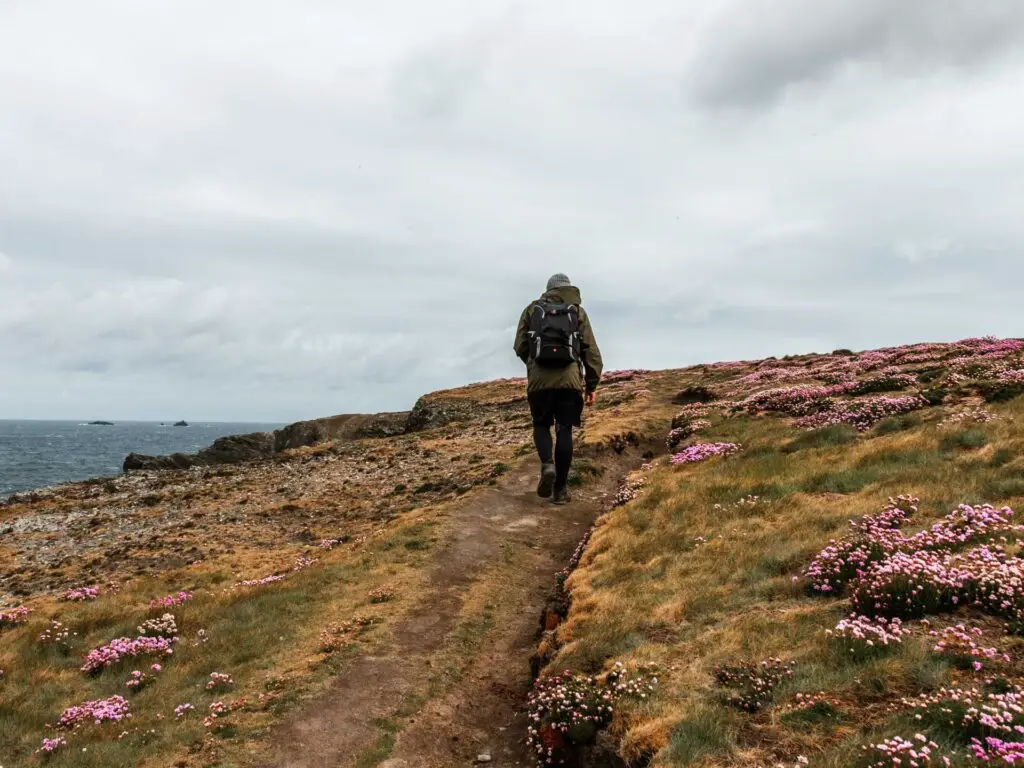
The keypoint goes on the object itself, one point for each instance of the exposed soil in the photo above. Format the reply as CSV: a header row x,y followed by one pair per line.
x,y
482,712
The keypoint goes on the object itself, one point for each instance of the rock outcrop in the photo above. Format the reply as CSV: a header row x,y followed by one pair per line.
x,y
255,446
431,412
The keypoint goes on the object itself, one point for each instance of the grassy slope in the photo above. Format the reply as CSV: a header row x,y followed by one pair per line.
x,y
686,578
669,578
267,637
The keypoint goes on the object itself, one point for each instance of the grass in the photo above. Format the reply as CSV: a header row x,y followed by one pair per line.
x,y
280,624
686,561
840,434
697,571
968,439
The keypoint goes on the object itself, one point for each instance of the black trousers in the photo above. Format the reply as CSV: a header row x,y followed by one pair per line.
x,y
562,408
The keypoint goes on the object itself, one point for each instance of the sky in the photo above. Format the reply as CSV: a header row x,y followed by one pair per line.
x,y
267,210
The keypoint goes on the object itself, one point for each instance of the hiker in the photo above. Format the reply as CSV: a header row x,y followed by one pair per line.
x,y
563,364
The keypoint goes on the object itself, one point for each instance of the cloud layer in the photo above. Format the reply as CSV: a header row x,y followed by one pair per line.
x,y
271,210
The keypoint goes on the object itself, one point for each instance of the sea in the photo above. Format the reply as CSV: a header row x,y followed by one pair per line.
x,y
36,454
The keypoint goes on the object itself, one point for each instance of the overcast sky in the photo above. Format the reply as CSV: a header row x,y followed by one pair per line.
x,y
270,210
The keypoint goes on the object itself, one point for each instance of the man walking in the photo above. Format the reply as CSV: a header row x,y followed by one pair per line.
x,y
563,364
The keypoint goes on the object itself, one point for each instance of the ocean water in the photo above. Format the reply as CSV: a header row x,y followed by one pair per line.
x,y
35,454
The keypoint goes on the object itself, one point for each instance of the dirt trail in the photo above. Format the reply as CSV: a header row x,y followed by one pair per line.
x,y
389,709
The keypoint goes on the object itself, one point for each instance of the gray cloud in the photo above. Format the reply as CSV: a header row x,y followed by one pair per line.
x,y
752,52
275,210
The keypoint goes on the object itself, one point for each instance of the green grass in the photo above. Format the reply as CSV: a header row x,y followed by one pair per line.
x,y
710,731
40,683
826,437
896,424
842,481
968,439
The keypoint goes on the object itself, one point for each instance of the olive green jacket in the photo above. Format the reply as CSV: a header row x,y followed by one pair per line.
x,y
584,377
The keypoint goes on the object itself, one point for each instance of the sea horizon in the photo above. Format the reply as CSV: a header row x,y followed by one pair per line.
x,y
39,453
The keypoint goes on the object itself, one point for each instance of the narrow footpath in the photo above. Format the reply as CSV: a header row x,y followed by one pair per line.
x,y
449,686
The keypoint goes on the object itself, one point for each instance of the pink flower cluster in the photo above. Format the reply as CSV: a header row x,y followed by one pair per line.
x,y
52,745
57,634
14,617
887,381
909,585
976,367
703,451
862,637
795,401
219,681
568,710
170,601
691,412
260,582
864,412
336,636
898,752
976,415
804,702
960,643
995,750
895,575
627,491
773,375
82,594
383,594
754,684
974,713
183,709
962,526
165,626
1015,376
140,680
219,710
126,647
112,710
876,536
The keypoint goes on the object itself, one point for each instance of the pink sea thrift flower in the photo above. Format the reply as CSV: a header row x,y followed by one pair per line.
x,y
14,617
52,745
126,647
82,594
171,601
703,451
112,710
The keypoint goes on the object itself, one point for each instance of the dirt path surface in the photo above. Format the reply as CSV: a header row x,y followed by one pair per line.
x,y
450,685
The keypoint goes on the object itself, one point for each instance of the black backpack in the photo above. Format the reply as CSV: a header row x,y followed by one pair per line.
x,y
554,334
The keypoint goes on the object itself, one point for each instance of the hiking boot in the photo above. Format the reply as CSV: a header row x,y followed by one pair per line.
x,y
562,496
547,480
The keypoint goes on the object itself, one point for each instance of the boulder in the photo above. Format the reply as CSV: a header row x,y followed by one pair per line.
x,y
238,448
429,413
383,425
174,461
299,435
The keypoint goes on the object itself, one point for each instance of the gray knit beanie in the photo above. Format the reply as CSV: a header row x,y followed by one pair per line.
x,y
559,281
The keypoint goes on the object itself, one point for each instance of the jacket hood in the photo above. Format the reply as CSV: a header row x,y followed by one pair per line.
x,y
568,294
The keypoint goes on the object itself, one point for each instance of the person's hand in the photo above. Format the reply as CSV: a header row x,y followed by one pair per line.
x,y
590,399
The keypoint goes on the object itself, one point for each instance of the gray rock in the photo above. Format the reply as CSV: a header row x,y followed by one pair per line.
x,y
429,413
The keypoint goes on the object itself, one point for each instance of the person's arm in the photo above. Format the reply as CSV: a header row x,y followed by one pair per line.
x,y
591,354
522,342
